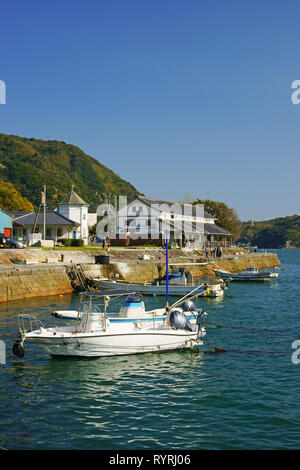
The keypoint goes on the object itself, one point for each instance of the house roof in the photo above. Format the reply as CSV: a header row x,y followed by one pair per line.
x,y
213,229
15,214
72,199
52,218
208,229
149,201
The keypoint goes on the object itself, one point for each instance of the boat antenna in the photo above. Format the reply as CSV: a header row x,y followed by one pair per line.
x,y
167,284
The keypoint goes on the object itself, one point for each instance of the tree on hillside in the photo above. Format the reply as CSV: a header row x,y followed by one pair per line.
x,y
11,199
225,216
269,238
29,163
273,233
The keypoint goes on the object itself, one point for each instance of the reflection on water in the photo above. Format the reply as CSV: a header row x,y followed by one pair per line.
x,y
163,401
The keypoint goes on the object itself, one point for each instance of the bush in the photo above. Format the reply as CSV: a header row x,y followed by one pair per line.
x,y
77,242
65,241
71,241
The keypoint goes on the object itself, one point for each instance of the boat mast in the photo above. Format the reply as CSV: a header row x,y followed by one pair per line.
x,y
167,283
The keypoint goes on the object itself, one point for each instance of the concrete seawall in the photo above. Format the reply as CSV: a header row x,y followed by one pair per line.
x,y
145,271
45,274
27,282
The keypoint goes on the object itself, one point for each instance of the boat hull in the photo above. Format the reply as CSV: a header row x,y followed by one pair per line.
x,y
244,277
116,344
152,289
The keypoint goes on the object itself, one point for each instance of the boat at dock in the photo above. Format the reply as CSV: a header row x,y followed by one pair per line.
x,y
248,275
180,284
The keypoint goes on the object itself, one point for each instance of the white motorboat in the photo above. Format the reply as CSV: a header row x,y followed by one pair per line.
x,y
250,274
94,335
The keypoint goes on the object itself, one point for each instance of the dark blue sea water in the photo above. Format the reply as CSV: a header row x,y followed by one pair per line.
x,y
245,398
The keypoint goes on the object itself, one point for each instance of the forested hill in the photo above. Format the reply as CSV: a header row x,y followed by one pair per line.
x,y
273,233
30,163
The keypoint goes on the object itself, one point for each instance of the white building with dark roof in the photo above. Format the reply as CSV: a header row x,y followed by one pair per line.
x,y
73,207
146,220
70,220
57,226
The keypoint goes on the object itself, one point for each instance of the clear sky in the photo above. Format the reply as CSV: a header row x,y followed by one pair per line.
x,y
175,96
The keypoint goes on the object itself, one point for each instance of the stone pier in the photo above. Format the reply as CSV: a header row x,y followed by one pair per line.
x,y
26,282
44,272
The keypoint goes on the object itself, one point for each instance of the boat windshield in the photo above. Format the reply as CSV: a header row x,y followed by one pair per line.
x,y
134,299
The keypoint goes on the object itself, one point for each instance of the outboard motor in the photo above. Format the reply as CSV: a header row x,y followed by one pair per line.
x,y
189,306
200,313
179,321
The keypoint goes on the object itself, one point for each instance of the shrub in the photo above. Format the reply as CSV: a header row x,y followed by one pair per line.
x,y
77,242
65,241
71,241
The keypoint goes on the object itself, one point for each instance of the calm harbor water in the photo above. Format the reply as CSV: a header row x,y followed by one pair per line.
x,y
245,398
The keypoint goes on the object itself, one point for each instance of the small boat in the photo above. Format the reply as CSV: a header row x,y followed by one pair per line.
x,y
180,284
94,335
250,274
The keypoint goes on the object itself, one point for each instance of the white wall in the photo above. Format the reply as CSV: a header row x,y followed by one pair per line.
x,y
92,219
78,214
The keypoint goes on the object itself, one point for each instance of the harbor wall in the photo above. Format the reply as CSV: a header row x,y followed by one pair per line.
x,y
145,271
25,282
45,271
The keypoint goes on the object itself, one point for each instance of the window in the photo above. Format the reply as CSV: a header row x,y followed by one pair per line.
x,y
139,211
59,232
48,232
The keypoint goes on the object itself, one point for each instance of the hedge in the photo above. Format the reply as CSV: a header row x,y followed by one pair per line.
x,y
71,241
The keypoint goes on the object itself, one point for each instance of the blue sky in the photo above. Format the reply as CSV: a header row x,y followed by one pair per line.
x,y
177,97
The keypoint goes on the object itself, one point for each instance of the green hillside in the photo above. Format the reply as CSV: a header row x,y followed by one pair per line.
x,y
30,163
273,233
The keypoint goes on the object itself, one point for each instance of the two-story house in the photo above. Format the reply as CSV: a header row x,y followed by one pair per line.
x,y
148,220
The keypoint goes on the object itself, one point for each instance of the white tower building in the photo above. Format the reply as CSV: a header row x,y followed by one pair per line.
x,y
76,209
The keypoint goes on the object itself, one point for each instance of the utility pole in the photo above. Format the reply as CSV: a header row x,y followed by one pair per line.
x,y
108,200
44,204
